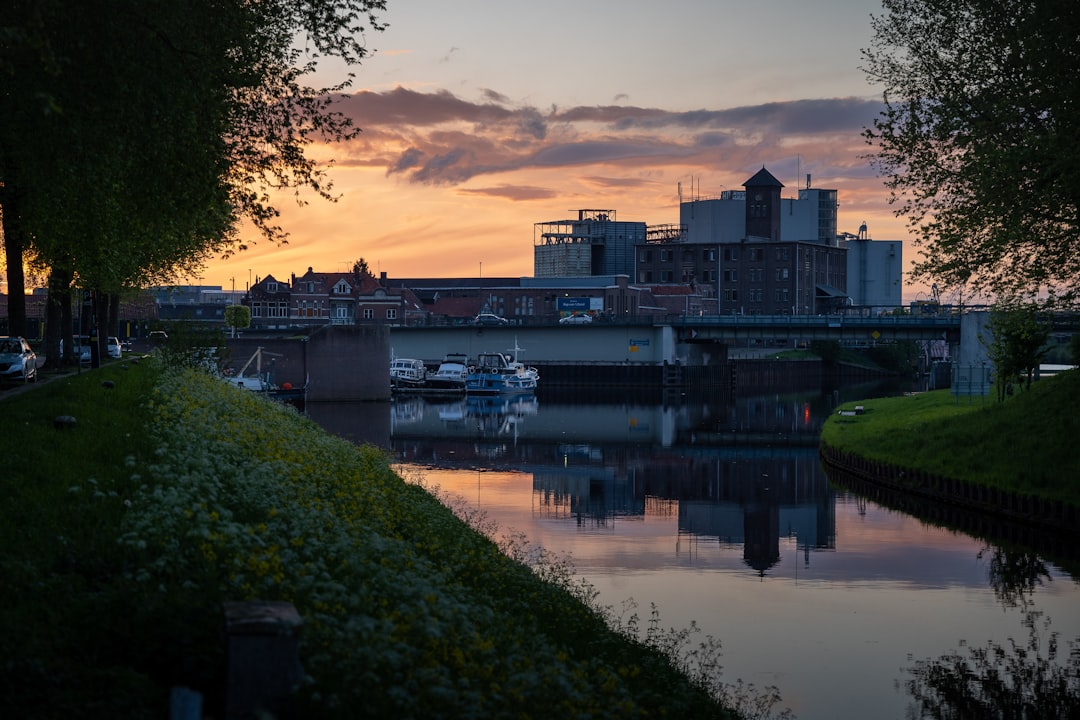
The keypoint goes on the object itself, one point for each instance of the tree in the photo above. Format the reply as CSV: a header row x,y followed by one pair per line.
x,y
1016,344
237,316
980,139
133,141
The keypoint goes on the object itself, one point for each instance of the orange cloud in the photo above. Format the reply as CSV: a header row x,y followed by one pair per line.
x,y
437,186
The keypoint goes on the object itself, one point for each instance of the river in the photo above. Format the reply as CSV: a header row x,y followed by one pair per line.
x,y
715,511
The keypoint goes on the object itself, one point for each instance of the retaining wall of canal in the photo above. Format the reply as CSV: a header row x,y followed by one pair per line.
x,y
1031,510
732,374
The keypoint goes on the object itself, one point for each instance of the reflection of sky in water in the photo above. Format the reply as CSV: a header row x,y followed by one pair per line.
x,y
718,512
831,622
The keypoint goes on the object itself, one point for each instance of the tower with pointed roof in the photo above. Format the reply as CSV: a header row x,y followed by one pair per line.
x,y
763,206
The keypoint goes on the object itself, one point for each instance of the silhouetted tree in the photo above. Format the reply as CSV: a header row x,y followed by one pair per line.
x,y
137,135
1014,573
1016,344
1000,682
980,138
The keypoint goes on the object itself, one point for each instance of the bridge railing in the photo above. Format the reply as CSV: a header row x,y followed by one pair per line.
x,y
815,321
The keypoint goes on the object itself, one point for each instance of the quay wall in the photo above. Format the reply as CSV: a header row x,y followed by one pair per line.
x,y
878,477
339,363
351,363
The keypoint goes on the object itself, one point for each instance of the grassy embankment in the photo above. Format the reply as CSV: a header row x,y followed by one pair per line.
x,y
122,536
1026,444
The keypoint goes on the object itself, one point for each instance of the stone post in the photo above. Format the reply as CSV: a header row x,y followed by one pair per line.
x,y
264,668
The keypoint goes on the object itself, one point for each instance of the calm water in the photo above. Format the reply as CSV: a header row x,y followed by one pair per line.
x,y
716,511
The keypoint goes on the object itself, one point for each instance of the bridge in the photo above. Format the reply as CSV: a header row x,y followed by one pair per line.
x,y
666,339
865,328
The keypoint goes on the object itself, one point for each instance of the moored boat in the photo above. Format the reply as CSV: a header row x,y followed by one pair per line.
x,y
263,381
496,373
450,376
407,373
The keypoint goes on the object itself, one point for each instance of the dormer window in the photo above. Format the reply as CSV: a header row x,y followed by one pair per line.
x,y
271,287
342,288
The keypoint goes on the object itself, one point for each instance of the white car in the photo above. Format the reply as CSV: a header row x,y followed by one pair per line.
x,y
17,360
112,346
575,320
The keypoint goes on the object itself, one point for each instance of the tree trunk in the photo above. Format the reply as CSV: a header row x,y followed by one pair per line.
x,y
13,254
54,328
114,315
58,323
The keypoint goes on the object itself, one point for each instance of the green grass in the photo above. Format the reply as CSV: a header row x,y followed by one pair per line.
x,y
1025,444
123,535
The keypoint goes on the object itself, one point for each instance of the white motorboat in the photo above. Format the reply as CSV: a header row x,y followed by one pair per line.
x,y
407,373
451,375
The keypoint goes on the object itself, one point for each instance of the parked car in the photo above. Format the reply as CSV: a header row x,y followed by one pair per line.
x,y
158,337
81,347
489,319
17,360
575,320
112,346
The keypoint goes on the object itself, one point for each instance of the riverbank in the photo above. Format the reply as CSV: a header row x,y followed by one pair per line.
x,y
126,530
1016,458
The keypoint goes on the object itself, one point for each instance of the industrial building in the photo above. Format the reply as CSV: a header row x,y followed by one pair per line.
x,y
763,254
593,244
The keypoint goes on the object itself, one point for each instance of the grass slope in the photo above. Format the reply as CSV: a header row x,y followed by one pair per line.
x,y
122,536
1026,444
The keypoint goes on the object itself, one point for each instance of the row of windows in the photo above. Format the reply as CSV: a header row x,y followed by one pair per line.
x,y
341,288
340,312
755,275
730,254
756,295
756,254
646,256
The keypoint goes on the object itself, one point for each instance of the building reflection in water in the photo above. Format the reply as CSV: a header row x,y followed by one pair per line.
x,y
746,498
743,474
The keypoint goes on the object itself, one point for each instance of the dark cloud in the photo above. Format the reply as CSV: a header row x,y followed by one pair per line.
x,y
616,182
602,150
513,192
533,123
448,140
495,97
408,159
407,107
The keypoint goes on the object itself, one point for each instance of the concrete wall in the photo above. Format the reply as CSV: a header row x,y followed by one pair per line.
x,y
339,363
283,358
348,363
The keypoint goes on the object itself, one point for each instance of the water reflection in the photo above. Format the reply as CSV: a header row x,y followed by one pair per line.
x,y
744,473
717,510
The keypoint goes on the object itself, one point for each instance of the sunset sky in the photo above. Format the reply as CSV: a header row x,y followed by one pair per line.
x,y
483,117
